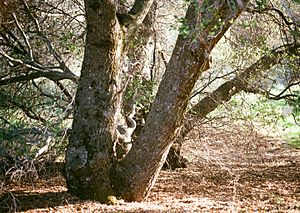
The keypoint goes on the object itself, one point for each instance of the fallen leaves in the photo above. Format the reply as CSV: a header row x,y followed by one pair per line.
x,y
227,173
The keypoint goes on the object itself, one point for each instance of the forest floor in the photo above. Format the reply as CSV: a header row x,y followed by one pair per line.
x,y
231,169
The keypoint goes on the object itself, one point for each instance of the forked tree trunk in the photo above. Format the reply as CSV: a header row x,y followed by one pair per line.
x,y
90,153
91,169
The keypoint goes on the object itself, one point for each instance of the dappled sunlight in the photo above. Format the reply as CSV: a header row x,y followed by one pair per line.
x,y
95,96
226,173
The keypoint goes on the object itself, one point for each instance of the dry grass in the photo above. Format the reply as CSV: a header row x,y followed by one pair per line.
x,y
232,168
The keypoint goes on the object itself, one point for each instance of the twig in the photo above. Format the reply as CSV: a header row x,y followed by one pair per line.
x,y
25,37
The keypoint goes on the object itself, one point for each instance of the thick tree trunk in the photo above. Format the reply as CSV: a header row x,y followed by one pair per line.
x,y
150,150
90,154
138,171
91,169
90,151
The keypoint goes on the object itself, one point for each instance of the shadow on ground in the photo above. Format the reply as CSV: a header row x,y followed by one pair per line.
x,y
24,201
239,172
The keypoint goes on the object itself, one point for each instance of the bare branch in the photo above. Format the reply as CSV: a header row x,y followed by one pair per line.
x,y
36,23
25,37
53,97
53,75
12,40
41,71
57,56
295,119
283,21
210,82
64,90
62,12
279,12
33,64
281,94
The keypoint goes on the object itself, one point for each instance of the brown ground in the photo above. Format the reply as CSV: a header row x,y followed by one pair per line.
x,y
232,170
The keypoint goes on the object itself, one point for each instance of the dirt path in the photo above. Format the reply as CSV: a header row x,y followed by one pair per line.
x,y
231,170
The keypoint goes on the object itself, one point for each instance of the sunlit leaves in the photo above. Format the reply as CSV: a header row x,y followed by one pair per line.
x,y
261,4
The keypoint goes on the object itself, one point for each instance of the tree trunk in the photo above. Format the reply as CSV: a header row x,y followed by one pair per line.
x,y
137,173
91,169
90,151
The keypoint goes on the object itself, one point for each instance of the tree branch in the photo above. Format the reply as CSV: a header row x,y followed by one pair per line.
x,y
281,94
40,71
230,88
187,62
241,82
55,74
25,37
53,97
137,13
19,50
279,12
64,90
9,102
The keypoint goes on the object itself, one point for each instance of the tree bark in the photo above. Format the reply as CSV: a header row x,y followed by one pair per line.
x,y
90,150
137,173
91,169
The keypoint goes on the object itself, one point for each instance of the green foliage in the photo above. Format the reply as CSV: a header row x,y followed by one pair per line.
x,y
23,141
22,136
65,42
295,103
291,132
140,91
294,140
265,113
258,109
33,111
13,141
184,28
291,122
260,4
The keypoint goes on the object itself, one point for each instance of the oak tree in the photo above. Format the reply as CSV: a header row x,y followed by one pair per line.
x,y
92,170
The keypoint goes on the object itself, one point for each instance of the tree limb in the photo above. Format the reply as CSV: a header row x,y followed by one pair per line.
x,y
25,37
189,59
242,82
40,71
137,13
55,74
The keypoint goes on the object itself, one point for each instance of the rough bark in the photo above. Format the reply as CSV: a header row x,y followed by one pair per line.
x,y
90,150
91,169
90,153
137,13
138,171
